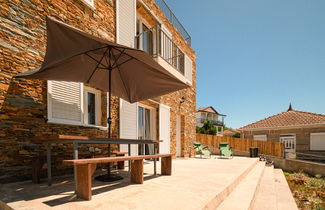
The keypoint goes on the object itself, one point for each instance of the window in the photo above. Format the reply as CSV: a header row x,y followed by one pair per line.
x,y
73,103
317,141
289,141
89,3
147,41
92,106
260,137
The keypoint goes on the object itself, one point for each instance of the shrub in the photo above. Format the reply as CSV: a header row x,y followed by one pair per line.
x,y
207,128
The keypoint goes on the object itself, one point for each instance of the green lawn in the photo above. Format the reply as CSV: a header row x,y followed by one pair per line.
x,y
308,191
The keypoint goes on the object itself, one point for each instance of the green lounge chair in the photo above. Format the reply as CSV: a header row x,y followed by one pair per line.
x,y
200,150
225,150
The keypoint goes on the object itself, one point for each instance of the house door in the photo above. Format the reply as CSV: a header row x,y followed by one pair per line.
x,y
144,130
289,142
147,43
178,136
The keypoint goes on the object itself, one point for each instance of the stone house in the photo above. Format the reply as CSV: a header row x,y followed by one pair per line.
x,y
31,108
299,131
209,113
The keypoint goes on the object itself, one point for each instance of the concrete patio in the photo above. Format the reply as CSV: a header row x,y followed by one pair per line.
x,y
195,184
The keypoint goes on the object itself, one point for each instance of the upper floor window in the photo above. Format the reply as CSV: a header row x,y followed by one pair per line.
x,y
147,40
89,3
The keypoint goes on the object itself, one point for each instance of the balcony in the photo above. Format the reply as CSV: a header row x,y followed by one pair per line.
x,y
173,20
157,43
215,122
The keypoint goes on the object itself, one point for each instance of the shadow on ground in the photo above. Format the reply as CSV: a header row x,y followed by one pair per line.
x,y
63,186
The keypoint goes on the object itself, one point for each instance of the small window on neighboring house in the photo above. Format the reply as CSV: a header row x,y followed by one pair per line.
x,y
260,137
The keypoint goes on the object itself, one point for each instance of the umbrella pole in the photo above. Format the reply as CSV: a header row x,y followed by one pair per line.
x,y
109,177
109,119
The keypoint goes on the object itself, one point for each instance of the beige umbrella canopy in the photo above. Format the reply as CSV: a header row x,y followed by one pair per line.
x,y
73,55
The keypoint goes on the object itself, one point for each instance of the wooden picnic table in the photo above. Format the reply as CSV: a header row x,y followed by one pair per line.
x,y
76,140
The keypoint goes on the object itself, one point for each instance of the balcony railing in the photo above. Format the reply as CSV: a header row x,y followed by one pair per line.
x,y
173,19
157,43
215,122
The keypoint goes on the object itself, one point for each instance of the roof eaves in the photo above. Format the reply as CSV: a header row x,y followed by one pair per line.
x,y
281,127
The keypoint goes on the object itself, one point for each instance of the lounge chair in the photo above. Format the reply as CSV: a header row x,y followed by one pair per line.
x,y
225,150
200,150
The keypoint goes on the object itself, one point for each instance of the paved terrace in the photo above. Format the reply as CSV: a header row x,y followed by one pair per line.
x,y
195,183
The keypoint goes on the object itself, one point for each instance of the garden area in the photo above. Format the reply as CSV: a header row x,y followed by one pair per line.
x,y
308,191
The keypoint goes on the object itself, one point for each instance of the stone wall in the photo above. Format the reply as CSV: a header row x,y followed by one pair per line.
x,y
291,165
23,103
302,135
185,110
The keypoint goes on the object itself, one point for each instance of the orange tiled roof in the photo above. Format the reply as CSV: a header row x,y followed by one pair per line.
x,y
209,109
288,118
230,132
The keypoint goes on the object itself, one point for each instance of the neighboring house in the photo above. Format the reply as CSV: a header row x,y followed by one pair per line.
x,y
209,113
29,109
230,132
299,131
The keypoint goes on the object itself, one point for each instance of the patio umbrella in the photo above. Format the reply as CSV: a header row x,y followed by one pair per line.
x,y
131,74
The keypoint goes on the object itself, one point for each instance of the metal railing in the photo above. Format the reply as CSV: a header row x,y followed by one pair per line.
x,y
173,19
215,122
310,157
157,43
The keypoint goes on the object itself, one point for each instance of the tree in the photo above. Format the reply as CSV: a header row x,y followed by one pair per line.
x,y
207,128
237,135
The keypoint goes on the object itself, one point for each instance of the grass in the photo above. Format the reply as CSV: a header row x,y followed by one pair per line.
x,y
308,191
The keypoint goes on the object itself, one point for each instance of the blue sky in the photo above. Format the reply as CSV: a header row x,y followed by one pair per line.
x,y
254,57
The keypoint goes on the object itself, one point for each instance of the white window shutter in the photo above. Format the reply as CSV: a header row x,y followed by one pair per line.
x,y
164,128
317,141
126,22
153,123
188,69
65,102
128,125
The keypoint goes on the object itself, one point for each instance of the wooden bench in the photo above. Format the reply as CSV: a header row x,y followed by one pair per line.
x,y
120,164
86,167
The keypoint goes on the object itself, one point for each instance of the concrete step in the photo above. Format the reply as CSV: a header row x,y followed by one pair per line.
x,y
222,195
243,193
284,196
265,196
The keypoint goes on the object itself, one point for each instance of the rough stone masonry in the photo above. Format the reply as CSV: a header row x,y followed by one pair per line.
x,y
23,103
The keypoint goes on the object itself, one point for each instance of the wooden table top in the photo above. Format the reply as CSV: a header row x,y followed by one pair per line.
x,y
113,159
85,139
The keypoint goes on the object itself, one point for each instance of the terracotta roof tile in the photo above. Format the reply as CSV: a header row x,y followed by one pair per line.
x,y
209,109
230,132
288,118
